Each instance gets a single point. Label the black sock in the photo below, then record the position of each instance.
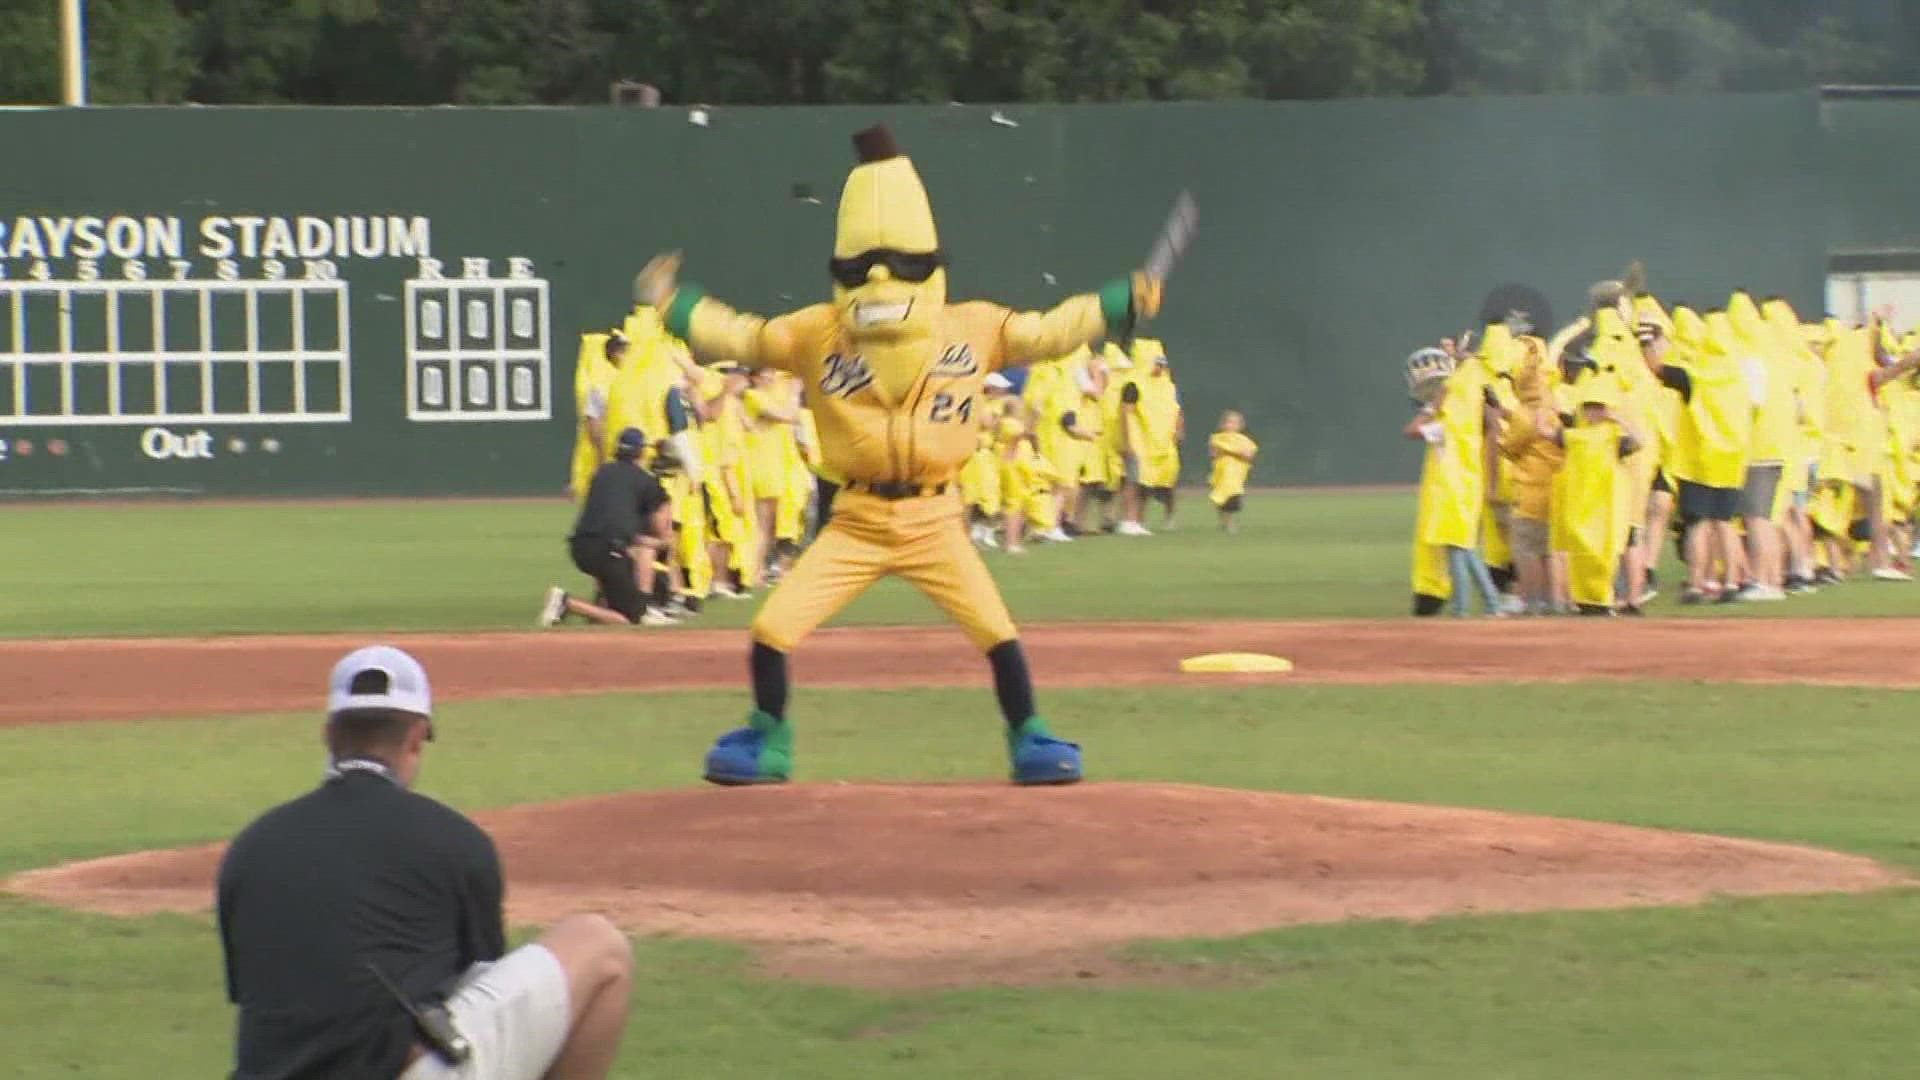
(1012, 682)
(769, 667)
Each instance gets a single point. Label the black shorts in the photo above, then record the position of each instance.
(1698, 502)
(1164, 494)
(1661, 483)
(612, 568)
(1232, 505)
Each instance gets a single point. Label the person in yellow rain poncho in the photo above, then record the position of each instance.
(1054, 406)
(1710, 453)
(1233, 452)
(769, 413)
(1773, 443)
(729, 490)
(1901, 400)
(599, 360)
(1832, 506)
(980, 476)
(1806, 372)
(1533, 458)
(1155, 427)
(1631, 394)
(801, 489)
(1104, 479)
(1884, 364)
(1026, 485)
(1088, 427)
(1453, 415)
(1496, 523)
(1595, 486)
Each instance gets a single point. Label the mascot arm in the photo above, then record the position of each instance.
(1027, 336)
(719, 334)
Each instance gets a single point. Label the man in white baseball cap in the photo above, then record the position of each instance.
(363, 928)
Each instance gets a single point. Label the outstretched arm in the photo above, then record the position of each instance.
(1027, 336)
(714, 331)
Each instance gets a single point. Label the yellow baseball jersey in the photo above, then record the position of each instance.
(1229, 472)
(908, 415)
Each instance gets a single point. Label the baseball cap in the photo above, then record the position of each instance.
(379, 677)
(631, 442)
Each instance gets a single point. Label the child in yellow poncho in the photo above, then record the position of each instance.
(1233, 454)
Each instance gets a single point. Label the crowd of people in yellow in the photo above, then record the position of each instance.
(1085, 445)
(1079, 444)
(1784, 453)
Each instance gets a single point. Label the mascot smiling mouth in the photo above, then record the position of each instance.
(880, 313)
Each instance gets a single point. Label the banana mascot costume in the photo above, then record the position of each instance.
(895, 377)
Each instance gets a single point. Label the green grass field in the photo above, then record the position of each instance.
(245, 569)
(1802, 987)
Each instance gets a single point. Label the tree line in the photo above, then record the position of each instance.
(555, 52)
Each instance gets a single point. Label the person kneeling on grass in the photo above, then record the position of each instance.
(624, 525)
(363, 930)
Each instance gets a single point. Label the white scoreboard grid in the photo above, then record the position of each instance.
(477, 349)
(150, 352)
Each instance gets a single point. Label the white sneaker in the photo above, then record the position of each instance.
(1915, 553)
(1888, 573)
(1765, 593)
(1131, 528)
(1055, 535)
(656, 617)
(553, 607)
(1512, 605)
(987, 539)
(1016, 549)
(722, 589)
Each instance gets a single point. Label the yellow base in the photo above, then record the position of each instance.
(1235, 663)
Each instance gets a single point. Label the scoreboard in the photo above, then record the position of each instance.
(477, 350)
(76, 353)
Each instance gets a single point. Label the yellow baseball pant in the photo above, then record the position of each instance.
(922, 540)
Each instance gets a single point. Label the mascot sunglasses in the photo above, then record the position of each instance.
(915, 266)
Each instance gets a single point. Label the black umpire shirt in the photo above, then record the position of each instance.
(359, 870)
(620, 500)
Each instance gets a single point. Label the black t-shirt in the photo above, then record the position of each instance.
(359, 870)
(620, 501)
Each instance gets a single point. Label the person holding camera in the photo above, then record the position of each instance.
(625, 524)
(363, 931)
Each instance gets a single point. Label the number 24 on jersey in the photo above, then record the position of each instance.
(945, 409)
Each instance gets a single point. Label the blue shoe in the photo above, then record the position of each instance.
(1039, 758)
(760, 753)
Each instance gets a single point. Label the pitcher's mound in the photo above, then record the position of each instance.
(948, 884)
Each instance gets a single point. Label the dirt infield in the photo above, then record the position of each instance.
(952, 885)
(52, 681)
(931, 885)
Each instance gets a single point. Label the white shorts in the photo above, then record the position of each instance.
(515, 1013)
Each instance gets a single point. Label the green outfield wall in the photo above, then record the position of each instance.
(387, 301)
